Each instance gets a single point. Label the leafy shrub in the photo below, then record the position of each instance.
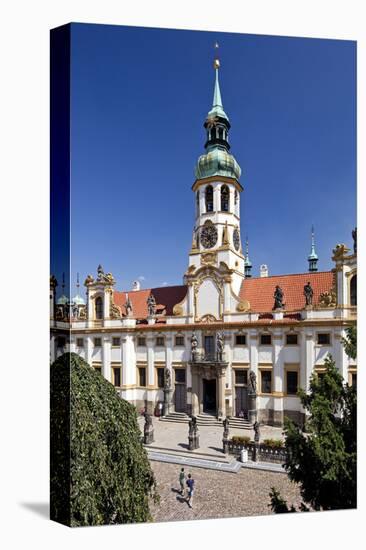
(109, 475)
(240, 440)
(274, 443)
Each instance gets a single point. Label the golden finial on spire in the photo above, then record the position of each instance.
(216, 62)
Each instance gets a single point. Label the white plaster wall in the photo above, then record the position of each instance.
(241, 354)
(320, 353)
(116, 354)
(291, 354)
(265, 354)
(208, 299)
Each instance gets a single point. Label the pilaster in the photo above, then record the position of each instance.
(150, 360)
(106, 358)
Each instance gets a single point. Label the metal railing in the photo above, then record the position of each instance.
(207, 357)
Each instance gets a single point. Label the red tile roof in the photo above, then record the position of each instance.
(259, 291)
(166, 297)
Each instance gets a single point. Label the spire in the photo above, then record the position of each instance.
(247, 262)
(313, 257)
(217, 110)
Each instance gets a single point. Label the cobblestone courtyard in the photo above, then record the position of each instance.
(218, 494)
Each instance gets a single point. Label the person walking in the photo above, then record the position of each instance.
(190, 485)
(182, 478)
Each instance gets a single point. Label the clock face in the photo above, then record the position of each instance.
(209, 236)
(236, 238)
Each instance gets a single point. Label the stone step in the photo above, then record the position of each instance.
(221, 457)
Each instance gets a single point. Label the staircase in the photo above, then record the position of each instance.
(209, 420)
(175, 417)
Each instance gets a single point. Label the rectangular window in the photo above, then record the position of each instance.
(241, 376)
(179, 340)
(180, 376)
(141, 341)
(80, 342)
(97, 342)
(142, 376)
(266, 339)
(160, 341)
(291, 339)
(320, 375)
(354, 380)
(323, 339)
(240, 340)
(160, 372)
(116, 342)
(117, 376)
(266, 381)
(61, 342)
(291, 382)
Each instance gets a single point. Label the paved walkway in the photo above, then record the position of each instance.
(218, 494)
(174, 436)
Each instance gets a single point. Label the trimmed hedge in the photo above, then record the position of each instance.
(240, 439)
(110, 476)
(274, 443)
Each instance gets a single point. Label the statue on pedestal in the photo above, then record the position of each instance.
(219, 345)
(256, 431)
(308, 293)
(252, 382)
(278, 298)
(226, 428)
(148, 429)
(167, 379)
(194, 346)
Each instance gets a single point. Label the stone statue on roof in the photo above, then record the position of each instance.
(128, 306)
(278, 298)
(308, 293)
(151, 305)
(354, 237)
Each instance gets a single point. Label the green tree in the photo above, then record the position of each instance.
(350, 342)
(110, 478)
(321, 456)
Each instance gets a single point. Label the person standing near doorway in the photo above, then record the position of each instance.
(191, 487)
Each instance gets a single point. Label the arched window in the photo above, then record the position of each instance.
(99, 308)
(353, 285)
(221, 133)
(198, 203)
(209, 198)
(236, 197)
(224, 198)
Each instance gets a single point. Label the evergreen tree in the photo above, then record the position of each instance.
(322, 456)
(110, 478)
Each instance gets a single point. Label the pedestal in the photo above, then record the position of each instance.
(225, 445)
(149, 436)
(194, 441)
(167, 405)
(252, 410)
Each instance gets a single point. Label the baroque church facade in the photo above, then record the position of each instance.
(224, 343)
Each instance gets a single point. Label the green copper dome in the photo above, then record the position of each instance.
(217, 162)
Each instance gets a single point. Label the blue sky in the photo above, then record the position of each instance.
(139, 98)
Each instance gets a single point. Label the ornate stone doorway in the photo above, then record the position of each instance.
(209, 396)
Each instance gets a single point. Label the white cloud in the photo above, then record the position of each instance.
(141, 278)
(164, 283)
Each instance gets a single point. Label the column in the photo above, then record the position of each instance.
(216, 198)
(340, 357)
(150, 361)
(221, 413)
(53, 348)
(278, 374)
(195, 391)
(88, 349)
(72, 345)
(128, 360)
(253, 405)
(309, 356)
(106, 358)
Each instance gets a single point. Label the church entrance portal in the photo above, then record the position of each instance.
(209, 396)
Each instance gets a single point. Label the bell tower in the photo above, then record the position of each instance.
(216, 233)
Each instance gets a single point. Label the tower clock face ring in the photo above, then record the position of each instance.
(236, 239)
(209, 236)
